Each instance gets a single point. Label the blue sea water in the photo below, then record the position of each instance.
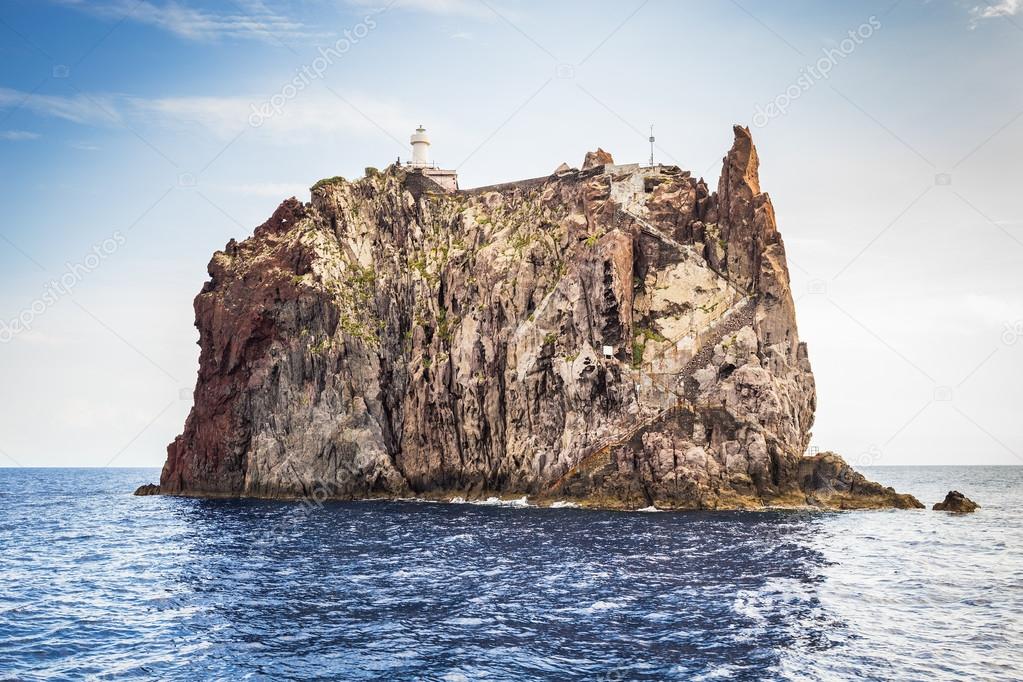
(98, 584)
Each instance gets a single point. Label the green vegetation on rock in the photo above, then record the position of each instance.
(336, 180)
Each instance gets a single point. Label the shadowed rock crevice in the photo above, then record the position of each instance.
(618, 335)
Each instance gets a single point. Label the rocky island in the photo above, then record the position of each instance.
(617, 336)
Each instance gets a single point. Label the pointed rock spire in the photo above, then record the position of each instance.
(597, 158)
(745, 213)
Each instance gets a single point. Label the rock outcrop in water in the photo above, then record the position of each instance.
(955, 501)
(618, 336)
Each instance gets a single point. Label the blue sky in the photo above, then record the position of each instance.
(128, 155)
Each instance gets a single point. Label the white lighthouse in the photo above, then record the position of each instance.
(420, 163)
(420, 148)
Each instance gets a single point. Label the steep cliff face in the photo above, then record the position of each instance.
(617, 335)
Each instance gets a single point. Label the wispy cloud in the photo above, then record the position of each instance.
(465, 8)
(17, 135)
(314, 113)
(254, 20)
(993, 10)
(77, 109)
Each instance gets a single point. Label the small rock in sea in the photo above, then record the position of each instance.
(148, 489)
(955, 501)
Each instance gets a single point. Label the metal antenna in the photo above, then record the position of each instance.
(651, 144)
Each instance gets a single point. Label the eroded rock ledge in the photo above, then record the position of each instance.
(620, 336)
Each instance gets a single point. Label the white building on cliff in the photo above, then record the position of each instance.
(448, 179)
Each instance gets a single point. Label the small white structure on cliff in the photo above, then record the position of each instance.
(447, 179)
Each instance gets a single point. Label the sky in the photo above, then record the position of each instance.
(138, 136)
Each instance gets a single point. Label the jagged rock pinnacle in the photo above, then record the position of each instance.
(597, 158)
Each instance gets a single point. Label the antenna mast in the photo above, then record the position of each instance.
(651, 144)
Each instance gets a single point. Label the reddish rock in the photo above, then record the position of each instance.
(597, 158)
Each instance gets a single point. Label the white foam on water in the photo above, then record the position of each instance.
(564, 504)
(498, 502)
(458, 538)
(722, 672)
(602, 605)
(657, 616)
(494, 502)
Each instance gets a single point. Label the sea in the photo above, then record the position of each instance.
(96, 584)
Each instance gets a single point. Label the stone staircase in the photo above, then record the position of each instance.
(733, 324)
(605, 446)
(685, 400)
(647, 227)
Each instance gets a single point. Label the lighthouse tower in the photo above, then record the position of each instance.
(420, 148)
(446, 179)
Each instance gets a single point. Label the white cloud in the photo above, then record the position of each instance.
(222, 115)
(465, 8)
(309, 113)
(17, 135)
(1001, 8)
(84, 109)
(254, 20)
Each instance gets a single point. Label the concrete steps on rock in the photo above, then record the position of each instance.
(687, 400)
